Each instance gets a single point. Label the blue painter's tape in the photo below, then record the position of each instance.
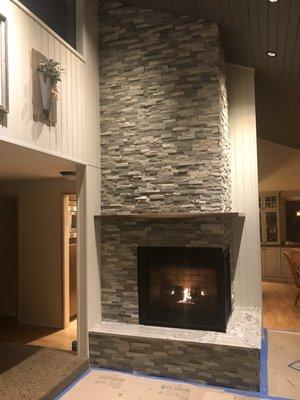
(263, 394)
(264, 363)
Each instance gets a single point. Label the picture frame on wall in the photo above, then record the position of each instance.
(4, 100)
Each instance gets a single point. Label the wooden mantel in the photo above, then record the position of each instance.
(153, 216)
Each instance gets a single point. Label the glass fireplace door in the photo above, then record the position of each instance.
(184, 287)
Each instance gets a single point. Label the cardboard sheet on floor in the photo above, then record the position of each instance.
(284, 378)
(106, 385)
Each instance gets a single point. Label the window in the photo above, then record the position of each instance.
(292, 221)
(59, 15)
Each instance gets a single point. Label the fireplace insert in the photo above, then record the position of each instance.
(184, 287)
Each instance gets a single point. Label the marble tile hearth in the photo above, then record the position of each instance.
(243, 330)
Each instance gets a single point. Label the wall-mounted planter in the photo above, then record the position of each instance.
(46, 86)
(46, 76)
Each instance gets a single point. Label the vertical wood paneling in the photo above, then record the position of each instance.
(35, 41)
(85, 139)
(58, 136)
(14, 120)
(52, 130)
(74, 105)
(63, 88)
(79, 111)
(24, 39)
(68, 136)
(242, 124)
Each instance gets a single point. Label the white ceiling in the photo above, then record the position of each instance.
(17, 162)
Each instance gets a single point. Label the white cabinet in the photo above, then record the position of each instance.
(274, 264)
(269, 218)
(271, 262)
(263, 263)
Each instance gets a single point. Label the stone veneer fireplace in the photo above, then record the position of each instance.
(184, 287)
(166, 223)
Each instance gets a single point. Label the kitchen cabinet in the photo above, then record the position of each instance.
(274, 264)
(271, 261)
(263, 263)
(269, 218)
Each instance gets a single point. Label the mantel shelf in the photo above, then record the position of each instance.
(170, 215)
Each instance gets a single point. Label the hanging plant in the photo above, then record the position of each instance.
(49, 74)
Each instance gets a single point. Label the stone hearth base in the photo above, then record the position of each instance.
(224, 359)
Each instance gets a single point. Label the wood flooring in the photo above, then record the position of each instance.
(11, 331)
(279, 311)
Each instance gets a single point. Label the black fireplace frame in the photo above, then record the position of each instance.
(215, 256)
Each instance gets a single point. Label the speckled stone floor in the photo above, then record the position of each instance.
(32, 373)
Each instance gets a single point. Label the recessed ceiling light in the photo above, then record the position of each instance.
(273, 1)
(271, 53)
(69, 175)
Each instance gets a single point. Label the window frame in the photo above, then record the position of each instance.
(80, 50)
(4, 102)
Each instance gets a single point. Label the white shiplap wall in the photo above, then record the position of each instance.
(76, 135)
(68, 138)
(242, 123)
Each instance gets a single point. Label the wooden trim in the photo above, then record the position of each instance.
(5, 81)
(82, 312)
(66, 258)
(46, 27)
(18, 249)
(170, 215)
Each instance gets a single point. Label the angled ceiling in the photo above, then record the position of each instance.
(250, 28)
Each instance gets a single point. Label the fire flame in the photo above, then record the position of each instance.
(187, 297)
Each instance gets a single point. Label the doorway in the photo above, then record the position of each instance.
(279, 207)
(9, 258)
(31, 248)
(70, 235)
